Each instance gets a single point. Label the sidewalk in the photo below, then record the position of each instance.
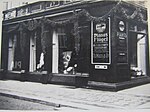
(71, 98)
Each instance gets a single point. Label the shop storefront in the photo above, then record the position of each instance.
(106, 40)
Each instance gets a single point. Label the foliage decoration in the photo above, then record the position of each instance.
(118, 9)
(136, 15)
(32, 24)
(77, 37)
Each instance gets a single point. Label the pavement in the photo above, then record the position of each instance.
(69, 98)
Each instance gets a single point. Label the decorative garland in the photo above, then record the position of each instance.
(32, 24)
(118, 9)
(43, 38)
(137, 14)
(74, 18)
(77, 37)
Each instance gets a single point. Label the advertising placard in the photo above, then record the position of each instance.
(122, 38)
(100, 42)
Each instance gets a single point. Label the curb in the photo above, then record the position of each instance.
(118, 86)
(30, 100)
(56, 105)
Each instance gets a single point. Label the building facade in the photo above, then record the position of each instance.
(105, 40)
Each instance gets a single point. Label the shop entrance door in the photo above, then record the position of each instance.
(137, 49)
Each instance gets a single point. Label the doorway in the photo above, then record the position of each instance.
(137, 52)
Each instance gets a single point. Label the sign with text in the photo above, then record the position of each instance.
(122, 38)
(101, 67)
(100, 42)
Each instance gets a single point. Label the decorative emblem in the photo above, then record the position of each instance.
(101, 27)
(121, 26)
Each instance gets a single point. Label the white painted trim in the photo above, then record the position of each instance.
(109, 41)
(92, 42)
(55, 54)
(32, 66)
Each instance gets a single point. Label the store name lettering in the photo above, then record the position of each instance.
(120, 34)
(101, 37)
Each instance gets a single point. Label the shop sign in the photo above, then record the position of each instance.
(100, 42)
(101, 67)
(122, 53)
